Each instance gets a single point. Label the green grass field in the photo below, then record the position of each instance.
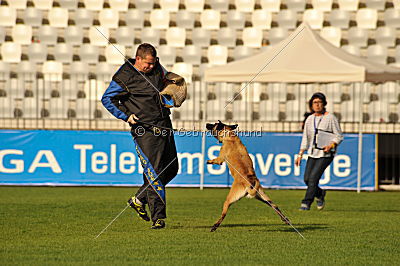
(47, 225)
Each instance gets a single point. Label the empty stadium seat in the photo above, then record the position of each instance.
(63, 52)
(43, 4)
(287, 18)
(194, 5)
(357, 36)
(392, 17)
(37, 52)
(145, 5)
(73, 35)
(322, 5)
(167, 54)
(47, 34)
(17, 4)
(22, 34)
(69, 4)
(235, 19)
(348, 5)
(261, 19)
(396, 4)
(99, 35)
(185, 70)
(397, 53)
(210, 19)
(2, 34)
(134, 18)
(95, 5)
(109, 18)
(241, 51)
(245, 5)
(252, 37)
(8, 15)
(375, 4)
(159, 19)
(115, 54)
(219, 5)
(377, 53)
(175, 36)
(30, 108)
(339, 18)
(226, 37)
(58, 17)
(119, 5)
(185, 19)
(83, 17)
(217, 55)
(169, 5)
(191, 54)
(277, 35)
(52, 70)
(352, 49)
(271, 5)
(57, 108)
(89, 53)
(11, 52)
(33, 16)
(314, 18)
(201, 37)
(332, 35)
(385, 36)
(296, 5)
(125, 35)
(366, 18)
(150, 35)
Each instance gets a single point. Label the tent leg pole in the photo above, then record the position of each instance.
(360, 141)
(203, 106)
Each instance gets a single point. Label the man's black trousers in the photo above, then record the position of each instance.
(157, 148)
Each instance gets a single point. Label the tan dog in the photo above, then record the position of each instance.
(245, 183)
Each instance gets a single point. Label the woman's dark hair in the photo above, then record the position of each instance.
(317, 95)
(146, 49)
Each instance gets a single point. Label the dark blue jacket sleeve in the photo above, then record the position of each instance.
(111, 101)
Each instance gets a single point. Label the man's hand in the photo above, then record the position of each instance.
(132, 119)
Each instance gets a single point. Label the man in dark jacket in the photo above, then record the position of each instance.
(134, 96)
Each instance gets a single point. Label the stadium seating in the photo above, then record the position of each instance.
(322, 5)
(44, 4)
(217, 55)
(271, 5)
(33, 16)
(252, 37)
(261, 19)
(339, 18)
(210, 19)
(11, 52)
(125, 35)
(58, 17)
(226, 37)
(366, 18)
(244, 5)
(159, 19)
(73, 35)
(95, 5)
(8, 16)
(167, 54)
(332, 35)
(17, 4)
(175, 36)
(185, 19)
(119, 5)
(22, 34)
(134, 18)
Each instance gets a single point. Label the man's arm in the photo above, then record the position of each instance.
(111, 101)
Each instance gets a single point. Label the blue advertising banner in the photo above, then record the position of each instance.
(108, 158)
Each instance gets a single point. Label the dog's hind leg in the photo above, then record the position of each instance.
(237, 192)
(264, 198)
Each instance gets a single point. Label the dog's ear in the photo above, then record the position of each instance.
(233, 127)
(210, 126)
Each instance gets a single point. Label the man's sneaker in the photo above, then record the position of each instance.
(321, 201)
(320, 204)
(139, 209)
(159, 224)
(304, 207)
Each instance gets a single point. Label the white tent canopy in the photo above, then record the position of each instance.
(301, 58)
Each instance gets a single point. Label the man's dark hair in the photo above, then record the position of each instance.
(146, 49)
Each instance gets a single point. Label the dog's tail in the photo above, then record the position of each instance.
(252, 190)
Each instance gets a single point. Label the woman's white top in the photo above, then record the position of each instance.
(327, 122)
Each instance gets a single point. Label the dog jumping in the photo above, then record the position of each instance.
(246, 183)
